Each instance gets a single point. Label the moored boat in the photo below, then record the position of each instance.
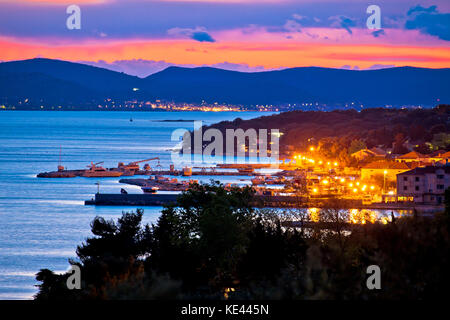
(99, 172)
(150, 189)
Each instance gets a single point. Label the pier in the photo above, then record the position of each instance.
(260, 201)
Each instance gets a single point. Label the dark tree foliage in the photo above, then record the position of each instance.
(373, 127)
(214, 240)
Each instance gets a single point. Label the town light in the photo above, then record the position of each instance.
(315, 190)
(342, 180)
(335, 164)
(325, 181)
(355, 190)
(372, 187)
(350, 185)
(311, 149)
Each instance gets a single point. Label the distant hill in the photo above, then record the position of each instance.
(375, 127)
(55, 81)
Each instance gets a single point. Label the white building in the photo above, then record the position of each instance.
(425, 185)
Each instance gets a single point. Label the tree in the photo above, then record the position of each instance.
(210, 228)
(398, 147)
(214, 239)
(356, 145)
(441, 141)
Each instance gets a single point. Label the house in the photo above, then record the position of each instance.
(412, 156)
(389, 169)
(424, 185)
(369, 153)
(440, 156)
(378, 152)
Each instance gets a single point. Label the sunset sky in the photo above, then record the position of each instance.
(144, 36)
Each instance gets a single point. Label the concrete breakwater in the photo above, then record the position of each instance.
(260, 201)
(159, 199)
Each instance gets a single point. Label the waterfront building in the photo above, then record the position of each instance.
(425, 185)
(387, 169)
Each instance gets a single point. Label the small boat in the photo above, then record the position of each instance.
(131, 119)
(149, 189)
(99, 172)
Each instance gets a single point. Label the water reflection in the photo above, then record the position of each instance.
(356, 216)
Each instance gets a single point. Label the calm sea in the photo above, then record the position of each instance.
(43, 220)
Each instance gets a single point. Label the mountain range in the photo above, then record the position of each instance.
(56, 82)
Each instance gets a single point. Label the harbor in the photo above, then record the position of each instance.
(260, 201)
(297, 183)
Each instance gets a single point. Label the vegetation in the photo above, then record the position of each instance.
(341, 132)
(214, 241)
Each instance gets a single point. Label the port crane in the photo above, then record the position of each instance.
(134, 166)
(94, 165)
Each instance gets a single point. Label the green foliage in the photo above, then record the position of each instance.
(441, 141)
(356, 145)
(373, 127)
(213, 239)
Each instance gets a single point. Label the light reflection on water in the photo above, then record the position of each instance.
(359, 216)
(43, 220)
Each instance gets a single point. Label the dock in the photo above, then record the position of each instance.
(260, 201)
(160, 199)
(105, 199)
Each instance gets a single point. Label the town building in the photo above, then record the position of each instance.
(364, 154)
(387, 169)
(412, 156)
(424, 185)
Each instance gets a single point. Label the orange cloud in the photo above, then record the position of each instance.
(269, 55)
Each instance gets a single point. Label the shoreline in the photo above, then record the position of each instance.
(261, 201)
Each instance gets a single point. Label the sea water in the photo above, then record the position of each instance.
(43, 220)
